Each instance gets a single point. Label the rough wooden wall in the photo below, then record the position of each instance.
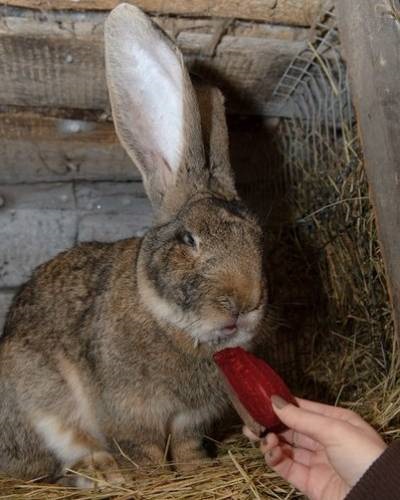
(292, 12)
(55, 59)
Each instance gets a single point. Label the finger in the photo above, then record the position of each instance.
(299, 455)
(321, 408)
(331, 411)
(270, 441)
(250, 434)
(297, 439)
(296, 473)
(321, 428)
(336, 412)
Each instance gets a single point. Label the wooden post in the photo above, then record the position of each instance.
(370, 35)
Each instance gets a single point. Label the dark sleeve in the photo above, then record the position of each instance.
(382, 480)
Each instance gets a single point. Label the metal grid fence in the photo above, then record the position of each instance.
(314, 91)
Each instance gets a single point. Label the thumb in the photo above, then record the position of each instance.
(319, 427)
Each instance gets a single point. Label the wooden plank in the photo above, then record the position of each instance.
(60, 23)
(46, 196)
(27, 161)
(121, 197)
(371, 41)
(297, 12)
(36, 148)
(57, 61)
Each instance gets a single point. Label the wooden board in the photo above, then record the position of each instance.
(36, 147)
(371, 42)
(297, 12)
(57, 60)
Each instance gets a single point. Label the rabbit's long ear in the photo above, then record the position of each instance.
(154, 107)
(216, 142)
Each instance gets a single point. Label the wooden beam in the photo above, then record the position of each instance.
(58, 60)
(35, 147)
(371, 40)
(300, 13)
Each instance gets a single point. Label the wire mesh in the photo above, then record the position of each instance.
(314, 91)
(324, 254)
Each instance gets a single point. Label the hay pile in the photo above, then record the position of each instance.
(352, 358)
(237, 474)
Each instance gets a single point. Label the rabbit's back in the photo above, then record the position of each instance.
(60, 293)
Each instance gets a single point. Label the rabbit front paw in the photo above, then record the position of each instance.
(101, 469)
(187, 453)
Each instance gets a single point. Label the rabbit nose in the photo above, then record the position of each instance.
(240, 303)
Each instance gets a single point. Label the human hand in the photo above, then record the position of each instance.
(324, 452)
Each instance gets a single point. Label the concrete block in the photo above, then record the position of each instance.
(112, 197)
(31, 237)
(112, 227)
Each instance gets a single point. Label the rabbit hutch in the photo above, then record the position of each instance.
(313, 113)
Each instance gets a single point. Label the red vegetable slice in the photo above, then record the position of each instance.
(254, 382)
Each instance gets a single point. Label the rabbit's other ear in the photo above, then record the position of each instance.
(215, 139)
(153, 103)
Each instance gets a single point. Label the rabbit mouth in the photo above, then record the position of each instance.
(239, 338)
(222, 338)
(231, 334)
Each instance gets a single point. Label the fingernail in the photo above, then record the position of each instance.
(278, 402)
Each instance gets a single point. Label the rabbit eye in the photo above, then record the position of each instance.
(188, 239)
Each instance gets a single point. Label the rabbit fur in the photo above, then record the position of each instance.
(110, 344)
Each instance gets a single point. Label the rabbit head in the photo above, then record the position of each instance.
(200, 266)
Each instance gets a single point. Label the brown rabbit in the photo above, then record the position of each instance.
(112, 343)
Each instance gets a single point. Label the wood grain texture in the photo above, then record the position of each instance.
(371, 41)
(297, 12)
(46, 196)
(57, 60)
(35, 147)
